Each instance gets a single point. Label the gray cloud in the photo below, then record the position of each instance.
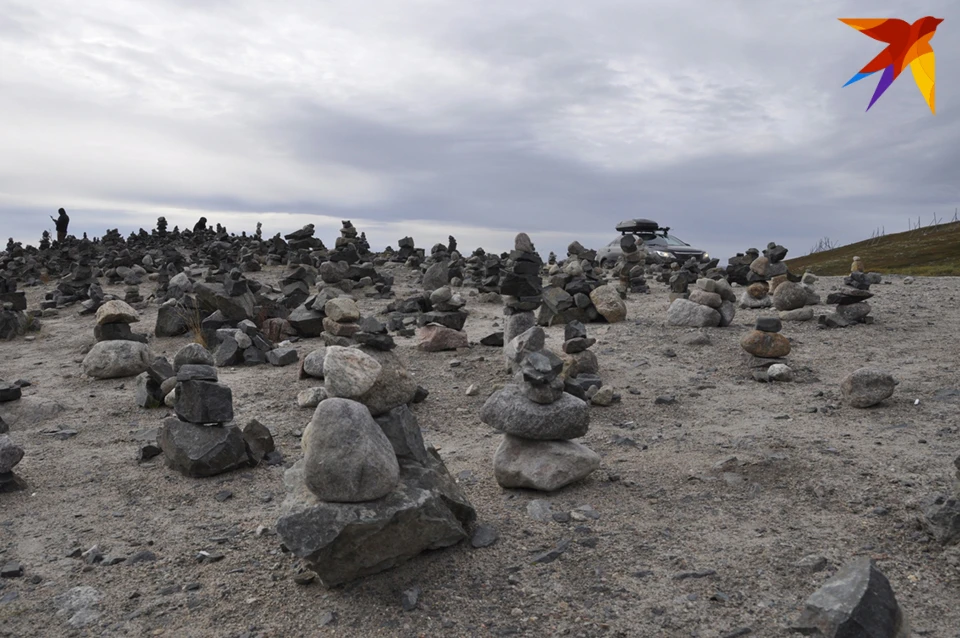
(724, 120)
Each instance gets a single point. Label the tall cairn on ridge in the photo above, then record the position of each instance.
(521, 288)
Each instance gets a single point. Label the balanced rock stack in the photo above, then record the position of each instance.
(202, 439)
(118, 352)
(341, 315)
(436, 336)
(10, 452)
(368, 494)
(580, 366)
(630, 265)
(767, 270)
(767, 349)
(787, 298)
(710, 304)
(521, 288)
(113, 322)
(851, 301)
(157, 384)
(578, 293)
(13, 321)
(538, 420)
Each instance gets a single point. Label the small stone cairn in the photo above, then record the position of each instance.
(630, 265)
(202, 440)
(435, 336)
(763, 270)
(113, 322)
(766, 348)
(851, 301)
(368, 494)
(710, 304)
(538, 420)
(580, 366)
(118, 352)
(246, 345)
(577, 292)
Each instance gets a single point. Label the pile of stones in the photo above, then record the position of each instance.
(202, 440)
(630, 265)
(447, 308)
(246, 345)
(767, 350)
(709, 304)
(794, 300)
(340, 321)
(538, 420)
(118, 352)
(368, 494)
(10, 452)
(483, 271)
(577, 292)
(521, 288)
(765, 273)
(296, 284)
(14, 322)
(851, 301)
(113, 322)
(581, 369)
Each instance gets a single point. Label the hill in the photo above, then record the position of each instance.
(930, 251)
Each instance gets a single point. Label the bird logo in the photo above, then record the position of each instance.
(906, 44)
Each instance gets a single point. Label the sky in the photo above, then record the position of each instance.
(724, 120)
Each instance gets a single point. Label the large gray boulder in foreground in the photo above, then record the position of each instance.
(689, 314)
(857, 602)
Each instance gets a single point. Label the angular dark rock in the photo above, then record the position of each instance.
(198, 450)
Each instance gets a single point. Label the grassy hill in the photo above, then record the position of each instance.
(931, 251)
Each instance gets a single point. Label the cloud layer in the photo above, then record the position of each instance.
(723, 120)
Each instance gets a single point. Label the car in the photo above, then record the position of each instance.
(657, 240)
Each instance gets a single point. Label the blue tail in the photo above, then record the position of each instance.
(858, 77)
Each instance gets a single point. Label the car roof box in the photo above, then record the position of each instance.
(638, 226)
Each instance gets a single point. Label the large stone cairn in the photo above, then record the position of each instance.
(202, 440)
(851, 301)
(368, 494)
(766, 347)
(630, 265)
(10, 452)
(538, 420)
(521, 288)
(577, 292)
(709, 304)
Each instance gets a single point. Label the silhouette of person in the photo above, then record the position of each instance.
(201, 225)
(61, 223)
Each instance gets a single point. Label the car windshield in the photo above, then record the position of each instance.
(662, 239)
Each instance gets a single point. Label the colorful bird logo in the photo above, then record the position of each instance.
(906, 44)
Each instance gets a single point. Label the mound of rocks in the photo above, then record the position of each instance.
(709, 304)
(578, 292)
(630, 265)
(246, 345)
(538, 420)
(581, 369)
(113, 322)
(767, 350)
(368, 494)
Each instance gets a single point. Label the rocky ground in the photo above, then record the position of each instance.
(716, 514)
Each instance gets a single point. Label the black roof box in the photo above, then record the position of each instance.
(638, 226)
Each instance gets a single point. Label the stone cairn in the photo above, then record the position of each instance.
(14, 322)
(10, 452)
(788, 295)
(709, 304)
(246, 345)
(202, 440)
(368, 494)
(767, 350)
(577, 292)
(538, 420)
(765, 273)
(482, 271)
(630, 265)
(851, 301)
(113, 322)
(340, 321)
(435, 336)
(581, 369)
(521, 288)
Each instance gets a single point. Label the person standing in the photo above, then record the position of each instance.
(61, 223)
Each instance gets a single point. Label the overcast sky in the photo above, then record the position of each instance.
(723, 119)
